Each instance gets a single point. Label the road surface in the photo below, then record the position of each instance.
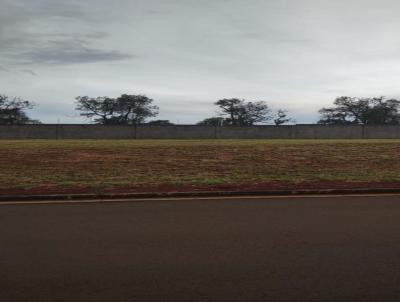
(246, 249)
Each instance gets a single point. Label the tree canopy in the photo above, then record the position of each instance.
(215, 121)
(12, 111)
(124, 110)
(160, 123)
(362, 111)
(242, 113)
(137, 109)
(282, 118)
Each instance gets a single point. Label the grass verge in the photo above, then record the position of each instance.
(95, 166)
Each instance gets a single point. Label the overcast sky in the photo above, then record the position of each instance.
(186, 54)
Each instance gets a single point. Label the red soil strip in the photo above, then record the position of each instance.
(247, 187)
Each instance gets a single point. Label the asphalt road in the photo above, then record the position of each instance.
(279, 249)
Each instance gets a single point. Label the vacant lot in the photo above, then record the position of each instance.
(137, 166)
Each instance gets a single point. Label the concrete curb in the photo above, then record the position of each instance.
(119, 196)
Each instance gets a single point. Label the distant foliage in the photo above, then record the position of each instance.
(238, 112)
(242, 113)
(362, 111)
(12, 111)
(160, 123)
(215, 121)
(282, 118)
(124, 110)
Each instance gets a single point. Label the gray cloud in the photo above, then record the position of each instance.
(29, 71)
(52, 55)
(4, 69)
(68, 50)
(51, 32)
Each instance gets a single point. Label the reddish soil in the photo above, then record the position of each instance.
(97, 167)
(246, 187)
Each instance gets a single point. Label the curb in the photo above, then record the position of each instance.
(119, 196)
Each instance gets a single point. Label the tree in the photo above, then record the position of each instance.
(383, 112)
(254, 112)
(282, 118)
(12, 111)
(160, 123)
(215, 121)
(124, 110)
(362, 111)
(242, 113)
(230, 107)
(102, 108)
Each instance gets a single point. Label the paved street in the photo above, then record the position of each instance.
(275, 249)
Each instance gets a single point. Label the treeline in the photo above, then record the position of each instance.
(138, 109)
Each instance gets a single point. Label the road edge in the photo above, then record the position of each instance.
(153, 195)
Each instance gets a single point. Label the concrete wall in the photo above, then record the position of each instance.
(266, 132)
(382, 132)
(66, 132)
(197, 132)
(95, 132)
(28, 132)
(327, 132)
(175, 132)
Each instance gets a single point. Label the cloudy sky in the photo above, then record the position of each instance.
(186, 54)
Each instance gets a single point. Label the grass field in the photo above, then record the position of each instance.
(40, 166)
